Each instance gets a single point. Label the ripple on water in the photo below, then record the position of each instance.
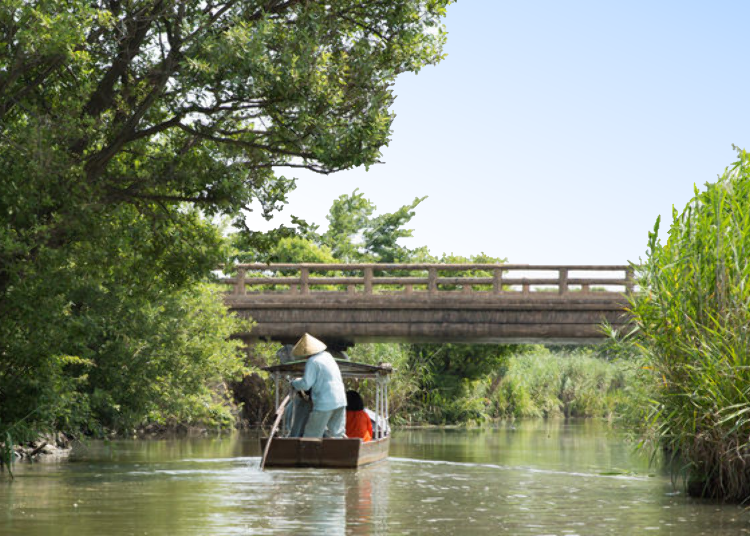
(227, 494)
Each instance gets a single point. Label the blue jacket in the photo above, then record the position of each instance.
(323, 376)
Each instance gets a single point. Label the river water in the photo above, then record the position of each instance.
(536, 477)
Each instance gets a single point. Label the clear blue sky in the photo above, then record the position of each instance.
(556, 132)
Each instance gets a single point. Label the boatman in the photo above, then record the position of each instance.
(323, 378)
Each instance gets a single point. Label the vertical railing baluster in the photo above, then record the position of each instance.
(497, 281)
(562, 285)
(377, 407)
(304, 277)
(387, 415)
(630, 277)
(432, 276)
(239, 287)
(368, 279)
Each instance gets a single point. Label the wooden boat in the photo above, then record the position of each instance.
(333, 452)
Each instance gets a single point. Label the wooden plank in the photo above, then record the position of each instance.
(374, 451)
(314, 452)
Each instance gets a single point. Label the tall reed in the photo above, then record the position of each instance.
(570, 383)
(693, 315)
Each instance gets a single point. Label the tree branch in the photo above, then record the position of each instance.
(138, 27)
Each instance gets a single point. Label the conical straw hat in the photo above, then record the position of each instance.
(307, 346)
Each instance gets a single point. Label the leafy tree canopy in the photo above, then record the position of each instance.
(155, 103)
(355, 235)
(123, 124)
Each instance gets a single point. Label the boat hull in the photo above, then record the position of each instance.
(316, 452)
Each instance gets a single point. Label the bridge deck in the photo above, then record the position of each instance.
(436, 308)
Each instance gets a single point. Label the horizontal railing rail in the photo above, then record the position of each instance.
(429, 279)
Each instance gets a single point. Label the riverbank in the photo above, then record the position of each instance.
(50, 447)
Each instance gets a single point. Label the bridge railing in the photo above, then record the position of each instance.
(427, 279)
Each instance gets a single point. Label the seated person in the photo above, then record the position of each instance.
(358, 423)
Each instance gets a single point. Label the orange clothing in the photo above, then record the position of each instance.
(358, 424)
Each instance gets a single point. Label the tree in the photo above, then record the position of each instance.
(162, 102)
(354, 235)
(115, 338)
(298, 249)
(123, 124)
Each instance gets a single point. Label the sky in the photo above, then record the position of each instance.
(555, 132)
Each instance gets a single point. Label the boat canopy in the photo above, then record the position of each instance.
(349, 369)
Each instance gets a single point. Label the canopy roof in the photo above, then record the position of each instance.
(349, 369)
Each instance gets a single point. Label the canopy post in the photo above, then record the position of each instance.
(276, 390)
(387, 414)
(381, 429)
(377, 408)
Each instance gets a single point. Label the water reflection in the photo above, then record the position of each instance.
(533, 478)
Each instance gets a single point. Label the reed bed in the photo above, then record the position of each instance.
(693, 320)
(569, 383)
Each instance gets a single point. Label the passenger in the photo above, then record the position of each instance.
(323, 377)
(358, 423)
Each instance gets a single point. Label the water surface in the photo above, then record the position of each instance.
(535, 477)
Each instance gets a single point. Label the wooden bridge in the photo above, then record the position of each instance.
(498, 303)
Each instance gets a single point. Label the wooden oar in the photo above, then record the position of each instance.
(279, 415)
